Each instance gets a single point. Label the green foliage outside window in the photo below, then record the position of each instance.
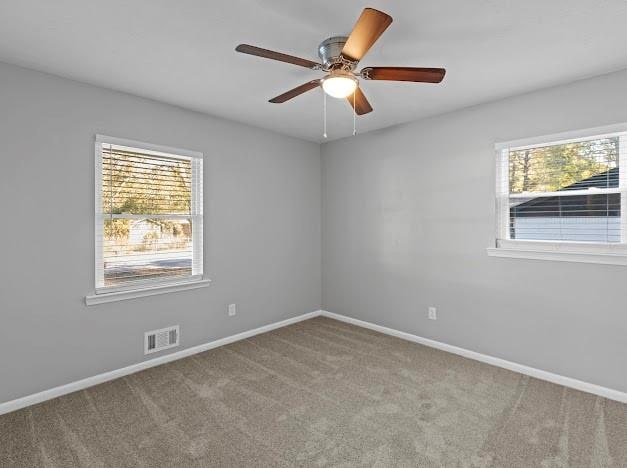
(552, 168)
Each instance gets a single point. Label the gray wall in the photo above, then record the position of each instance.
(408, 212)
(262, 230)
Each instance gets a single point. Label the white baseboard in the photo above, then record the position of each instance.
(39, 397)
(537, 373)
(45, 395)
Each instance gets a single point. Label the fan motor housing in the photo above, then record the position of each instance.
(330, 53)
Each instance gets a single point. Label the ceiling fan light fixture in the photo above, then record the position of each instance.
(339, 57)
(339, 84)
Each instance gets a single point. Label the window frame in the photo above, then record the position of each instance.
(146, 287)
(573, 251)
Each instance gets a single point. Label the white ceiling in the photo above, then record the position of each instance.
(181, 52)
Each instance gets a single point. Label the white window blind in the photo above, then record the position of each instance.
(149, 215)
(563, 193)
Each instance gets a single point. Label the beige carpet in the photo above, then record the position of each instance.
(320, 393)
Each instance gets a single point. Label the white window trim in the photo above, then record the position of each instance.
(94, 299)
(568, 251)
(197, 280)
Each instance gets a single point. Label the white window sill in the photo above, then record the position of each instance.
(560, 256)
(102, 298)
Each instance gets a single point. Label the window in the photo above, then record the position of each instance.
(149, 216)
(563, 197)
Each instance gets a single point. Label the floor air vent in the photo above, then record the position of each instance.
(158, 340)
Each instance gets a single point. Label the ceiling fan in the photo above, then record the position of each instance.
(340, 56)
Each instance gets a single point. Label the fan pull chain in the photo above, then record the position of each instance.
(354, 114)
(325, 113)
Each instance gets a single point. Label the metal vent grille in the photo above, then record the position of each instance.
(158, 340)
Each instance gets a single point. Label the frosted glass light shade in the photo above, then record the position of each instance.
(339, 85)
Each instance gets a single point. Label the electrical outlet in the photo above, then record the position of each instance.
(433, 313)
(232, 310)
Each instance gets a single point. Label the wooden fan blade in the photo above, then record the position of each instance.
(292, 93)
(365, 33)
(421, 75)
(270, 54)
(362, 106)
